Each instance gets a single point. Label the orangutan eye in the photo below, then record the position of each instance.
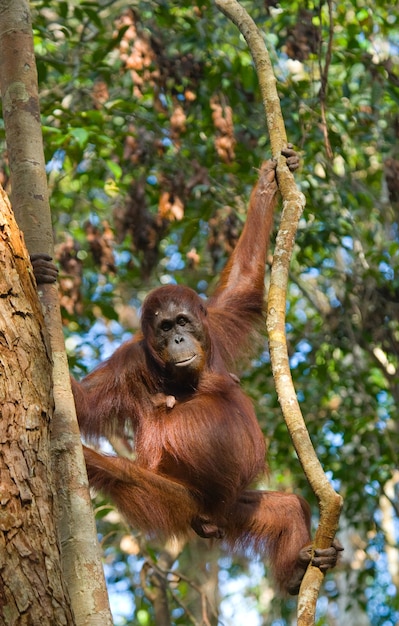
(166, 325)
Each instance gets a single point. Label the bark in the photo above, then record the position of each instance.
(81, 560)
(32, 590)
(21, 113)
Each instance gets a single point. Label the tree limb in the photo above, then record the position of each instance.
(330, 503)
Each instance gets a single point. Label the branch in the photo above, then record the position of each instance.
(267, 81)
(160, 575)
(324, 77)
(330, 503)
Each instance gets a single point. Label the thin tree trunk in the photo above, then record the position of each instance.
(330, 503)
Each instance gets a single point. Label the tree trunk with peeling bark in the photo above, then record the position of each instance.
(81, 560)
(32, 589)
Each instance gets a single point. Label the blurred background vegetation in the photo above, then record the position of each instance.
(154, 131)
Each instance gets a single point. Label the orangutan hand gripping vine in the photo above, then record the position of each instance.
(198, 445)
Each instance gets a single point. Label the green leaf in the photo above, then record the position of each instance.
(80, 135)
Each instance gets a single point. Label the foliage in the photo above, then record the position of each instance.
(153, 130)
